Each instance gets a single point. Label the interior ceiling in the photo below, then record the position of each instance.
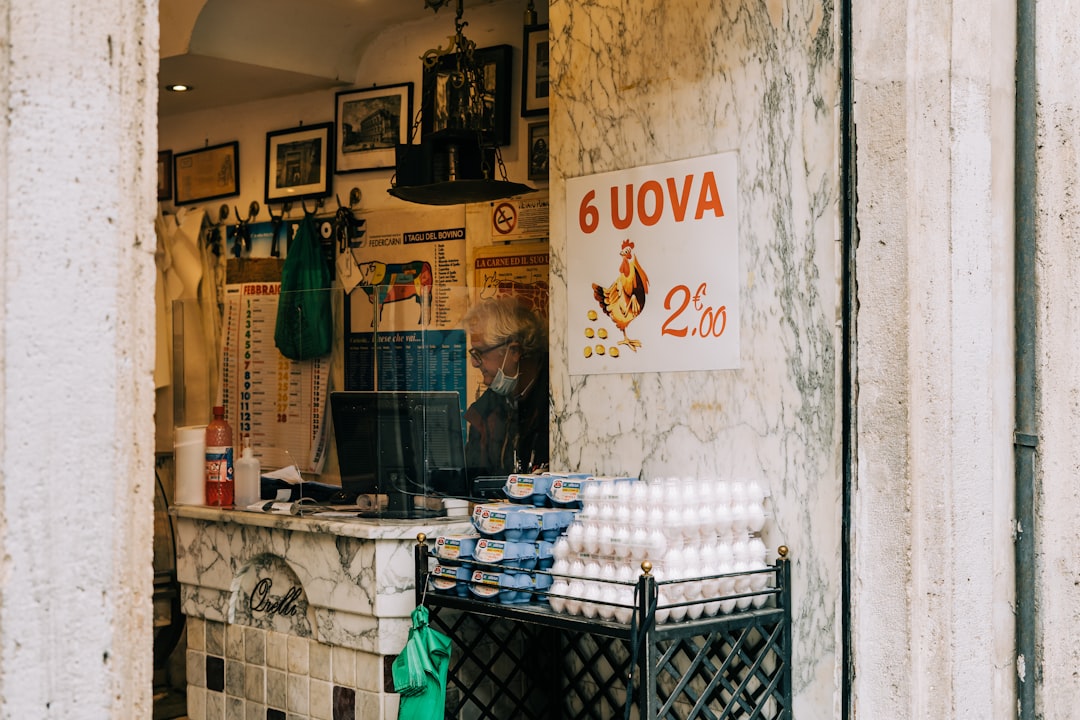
(234, 51)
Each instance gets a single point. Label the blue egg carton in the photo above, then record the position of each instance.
(506, 588)
(506, 521)
(553, 521)
(545, 555)
(508, 553)
(450, 580)
(565, 489)
(455, 547)
(527, 489)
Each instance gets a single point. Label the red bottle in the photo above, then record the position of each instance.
(219, 460)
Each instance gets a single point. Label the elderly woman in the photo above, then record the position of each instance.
(508, 423)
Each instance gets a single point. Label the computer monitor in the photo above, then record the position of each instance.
(401, 444)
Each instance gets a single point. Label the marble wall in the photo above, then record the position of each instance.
(642, 83)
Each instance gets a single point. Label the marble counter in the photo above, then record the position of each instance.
(342, 588)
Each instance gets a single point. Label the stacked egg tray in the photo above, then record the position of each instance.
(580, 544)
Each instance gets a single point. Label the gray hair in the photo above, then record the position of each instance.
(505, 319)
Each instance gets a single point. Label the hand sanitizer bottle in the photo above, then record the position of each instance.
(248, 478)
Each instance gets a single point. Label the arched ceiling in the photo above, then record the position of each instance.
(235, 51)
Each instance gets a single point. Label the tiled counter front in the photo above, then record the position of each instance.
(294, 618)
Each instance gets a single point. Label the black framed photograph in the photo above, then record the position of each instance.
(164, 175)
(299, 162)
(443, 105)
(539, 151)
(534, 71)
(370, 123)
(207, 173)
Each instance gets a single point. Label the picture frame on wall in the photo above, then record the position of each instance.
(535, 63)
(299, 162)
(539, 151)
(370, 123)
(207, 173)
(441, 102)
(164, 175)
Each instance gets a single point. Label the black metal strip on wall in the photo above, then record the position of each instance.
(848, 369)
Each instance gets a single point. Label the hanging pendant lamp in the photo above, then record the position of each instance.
(457, 160)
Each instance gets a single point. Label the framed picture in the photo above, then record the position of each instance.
(164, 175)
(534, 71)
(207, 173)
(299, 162)
(443, 105)
(370, 124)
(538, 151)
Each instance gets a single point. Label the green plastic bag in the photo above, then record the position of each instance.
(305, 320)
(420, 671)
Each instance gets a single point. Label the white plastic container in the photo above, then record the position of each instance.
(248, 479)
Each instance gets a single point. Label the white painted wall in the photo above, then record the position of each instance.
(77, 179)
(933, 581)
(392, 58)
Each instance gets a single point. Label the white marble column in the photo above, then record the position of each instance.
(642, 83)
(77, 185)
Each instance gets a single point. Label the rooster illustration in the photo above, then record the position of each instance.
(624, 299)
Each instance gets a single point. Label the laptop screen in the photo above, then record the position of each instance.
(399, 443)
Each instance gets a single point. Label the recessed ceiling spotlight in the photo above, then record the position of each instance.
(179, 87)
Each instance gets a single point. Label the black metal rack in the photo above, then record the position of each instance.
(528, 661)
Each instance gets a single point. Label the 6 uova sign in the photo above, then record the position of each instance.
(653, 268)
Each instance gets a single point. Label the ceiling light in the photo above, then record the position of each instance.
(179, 87)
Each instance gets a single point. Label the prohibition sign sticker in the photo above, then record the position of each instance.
(504, 218)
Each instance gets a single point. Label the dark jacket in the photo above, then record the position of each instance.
(507, 436)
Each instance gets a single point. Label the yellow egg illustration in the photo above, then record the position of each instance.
(599, 349)
(588, 332)
(588, 351)
(592, 314)
(602, 333)
(614, 351)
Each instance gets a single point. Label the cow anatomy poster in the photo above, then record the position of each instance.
(653, 268)
(404, 316)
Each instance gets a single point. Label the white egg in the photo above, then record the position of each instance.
(656, 516)
(722, 491)
(639, 516)
(662, 612)
(561, 567)
(605, 537)
(639, 493)
(561, 548)
(625, 611)
(592, 570)
(693, 612)
(592, 596)
(755, 517)
(606, 512)
(757, 549)
(577, 568)
(575, 537)
(742, 585)
(559, 587)
(657, 543)
(622, 514)
(722, 521)
(608, 598)
(591, 541)
(738, 518)
(576, 591)
(656, 494)
(738, 492)
(755, 493)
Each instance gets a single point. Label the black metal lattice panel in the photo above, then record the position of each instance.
(725, 674)
(521, 670)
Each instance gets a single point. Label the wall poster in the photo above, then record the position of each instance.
(404, 316)
(653, 268)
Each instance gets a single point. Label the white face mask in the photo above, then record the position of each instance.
(501, 384)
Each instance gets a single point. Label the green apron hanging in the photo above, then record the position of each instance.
(420, 671)
(305, 319)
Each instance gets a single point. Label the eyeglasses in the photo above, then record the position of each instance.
(477, 354)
